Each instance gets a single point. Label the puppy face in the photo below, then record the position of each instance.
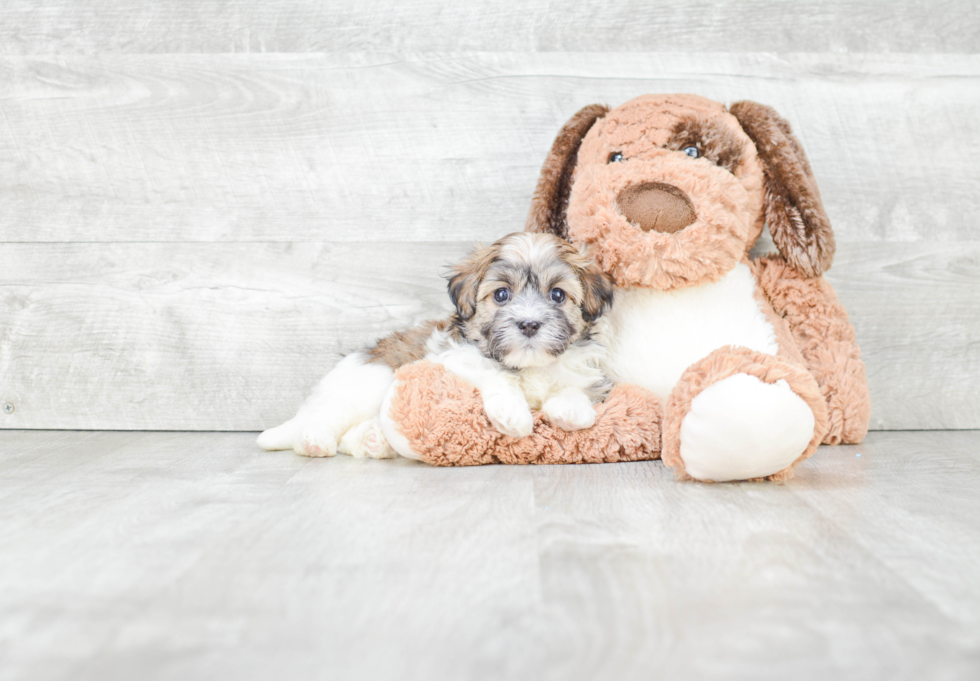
(527, 297)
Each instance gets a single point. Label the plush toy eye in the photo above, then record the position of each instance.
(501, 295)
(557, 295)
(615, 157)
(691, 151)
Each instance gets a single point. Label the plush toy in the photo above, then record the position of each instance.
(727, 368)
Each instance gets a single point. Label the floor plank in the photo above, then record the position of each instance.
(195, 555)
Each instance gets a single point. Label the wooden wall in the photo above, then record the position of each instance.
(202, 204)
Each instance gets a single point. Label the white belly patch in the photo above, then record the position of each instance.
(653, 336)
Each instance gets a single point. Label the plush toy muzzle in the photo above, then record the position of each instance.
(655, 206)
(663, 220)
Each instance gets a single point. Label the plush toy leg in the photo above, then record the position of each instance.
(434, 416)
(739, 414)
(810, 310)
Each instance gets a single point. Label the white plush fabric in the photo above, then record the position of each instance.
(741, 427)
(653, 336)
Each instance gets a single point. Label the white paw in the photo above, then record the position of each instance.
(318, 440)
(570, 412)
(741, 428)
(508, 413)
(365, 440)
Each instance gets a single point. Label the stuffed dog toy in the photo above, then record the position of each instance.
(727, 368)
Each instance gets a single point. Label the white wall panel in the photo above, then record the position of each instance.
(209, 26)
(202, 203)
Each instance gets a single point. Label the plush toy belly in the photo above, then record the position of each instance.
(654, 336)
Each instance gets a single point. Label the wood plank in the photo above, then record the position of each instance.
(89, 26)
(916, 310)
(194, 555)
(436, 147)
(233, 336)
(196, 336)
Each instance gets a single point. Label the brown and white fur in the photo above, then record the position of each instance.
(522, 334)
(743, 366)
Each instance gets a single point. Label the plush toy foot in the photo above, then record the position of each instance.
(366, 441)
(741, 428)
(434, 416)
(742, 415)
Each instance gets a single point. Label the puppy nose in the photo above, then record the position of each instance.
(656, 206)
(529, 327)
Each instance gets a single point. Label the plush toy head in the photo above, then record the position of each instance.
(672, 191)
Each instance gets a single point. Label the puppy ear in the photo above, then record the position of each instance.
(794, 211)
(465, 278)
(550, 200)
(597, 297)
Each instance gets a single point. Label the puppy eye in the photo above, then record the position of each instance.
(557, 295)
(615, 157)
(501, 295)
(691, 151)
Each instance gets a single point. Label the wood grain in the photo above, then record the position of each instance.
(209, 26)
(193, 556)
(435, 147)
(233, 336)
(196, 336)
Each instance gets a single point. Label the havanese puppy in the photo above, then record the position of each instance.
(522, 334)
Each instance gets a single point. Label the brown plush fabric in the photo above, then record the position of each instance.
(750, 170)
(721, 364)
(702, 252)
(442, 417)
(794, 210)
(656, 206)
(824, 335)
(547, 212)
(714, 140)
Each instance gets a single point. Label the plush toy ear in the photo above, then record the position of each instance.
(465, 278)
(794, 211)
(550, 200)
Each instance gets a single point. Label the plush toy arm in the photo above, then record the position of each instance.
(826, 340)
(441, 419)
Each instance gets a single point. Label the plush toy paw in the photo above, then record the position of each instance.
(742, 428)
(569, 411)
(508, 413)
(366, 441)
(434, 416)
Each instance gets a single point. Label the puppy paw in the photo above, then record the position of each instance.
(508, 413)
(317, 442)
(569, 412)
(366, 441)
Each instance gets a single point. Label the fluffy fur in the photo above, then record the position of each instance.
(521, 335)
(627, 425)
(755, 361)
(654, 336)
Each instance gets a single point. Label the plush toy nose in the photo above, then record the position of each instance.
(656, 206)
(529, 327)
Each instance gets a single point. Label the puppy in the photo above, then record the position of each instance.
(526, 308)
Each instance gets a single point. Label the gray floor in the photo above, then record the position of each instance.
(194, 555)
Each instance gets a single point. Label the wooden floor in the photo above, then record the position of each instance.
(130, 555)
